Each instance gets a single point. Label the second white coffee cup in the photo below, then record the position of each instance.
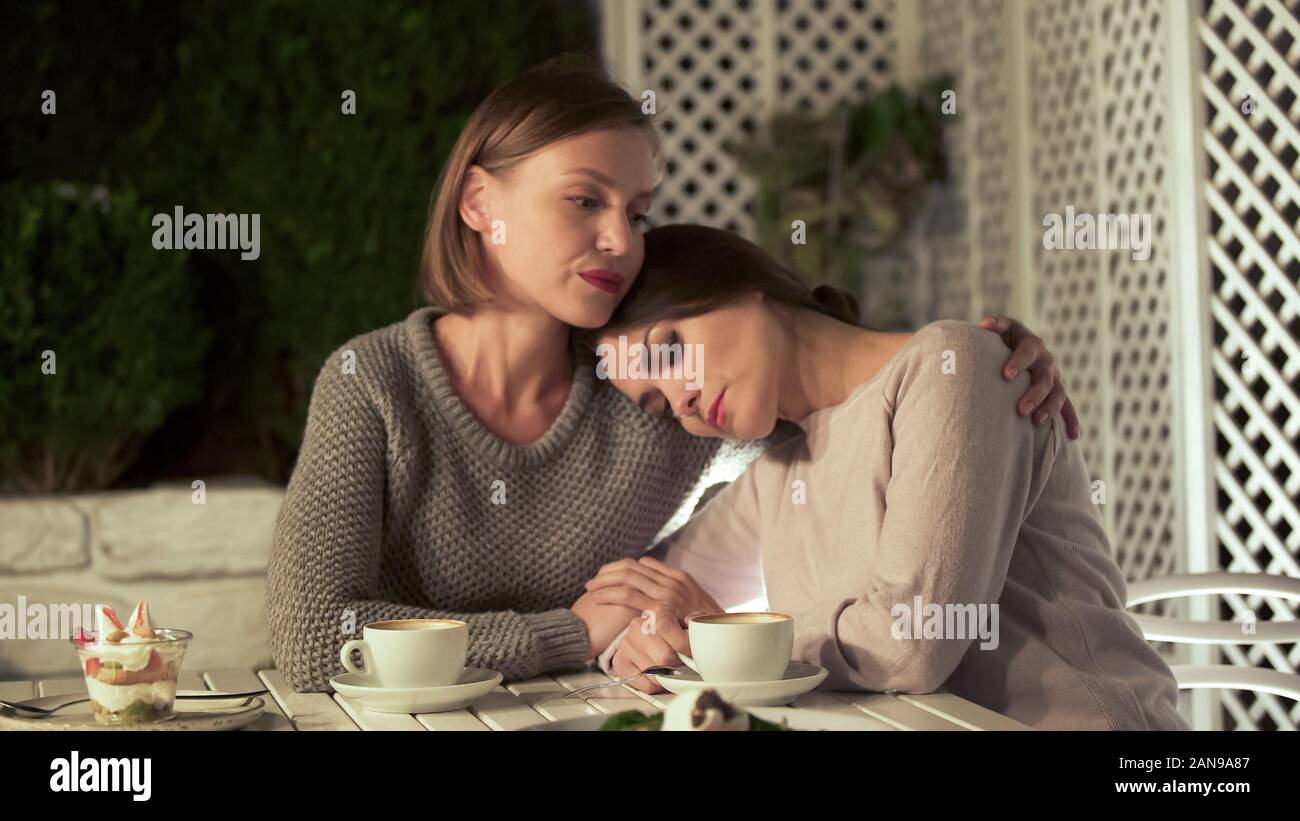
(736, 647)
(410, 652)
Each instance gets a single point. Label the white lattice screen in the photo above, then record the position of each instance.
(1109, 106)
(1253, 202)
(720, 67)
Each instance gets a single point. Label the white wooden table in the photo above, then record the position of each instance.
(515, 705)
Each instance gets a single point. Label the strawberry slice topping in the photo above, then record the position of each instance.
(108, 611)
(140, 621)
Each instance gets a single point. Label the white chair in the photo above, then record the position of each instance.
(1184, 631)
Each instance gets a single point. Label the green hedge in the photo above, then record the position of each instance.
(99, 340)
(237, 109)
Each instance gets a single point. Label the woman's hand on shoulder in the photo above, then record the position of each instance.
(1046, 396)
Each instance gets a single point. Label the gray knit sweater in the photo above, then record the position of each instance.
(402, 505)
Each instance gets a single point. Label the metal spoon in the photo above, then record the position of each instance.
(656, 671)
(44, 711)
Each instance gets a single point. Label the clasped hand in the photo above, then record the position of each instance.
(653, 601)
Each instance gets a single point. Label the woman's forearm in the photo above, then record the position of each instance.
(326, 557)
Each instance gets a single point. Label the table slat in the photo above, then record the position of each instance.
(829, 706)
(896, 712)
(610, 706)
(307, 711)
(546, 696)
(62, 686)
(191, 680)
(586, 678)
(239, 681)
(960, 711)
(17, 690)
(542, 684)
(558, 709)
(371, 720)
(503, 710)
(659, 701)
(455, 720)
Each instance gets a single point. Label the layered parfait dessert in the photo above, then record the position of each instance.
(131, 668)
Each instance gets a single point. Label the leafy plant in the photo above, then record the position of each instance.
(856, 176)
(98, 334)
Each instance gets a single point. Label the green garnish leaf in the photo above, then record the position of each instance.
(633, 720)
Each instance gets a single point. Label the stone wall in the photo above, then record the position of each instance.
(199, 559)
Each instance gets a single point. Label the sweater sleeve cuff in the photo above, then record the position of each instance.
(561, 638)
(605, 661)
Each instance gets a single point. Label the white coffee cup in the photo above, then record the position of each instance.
(736, 647)
(410, 652)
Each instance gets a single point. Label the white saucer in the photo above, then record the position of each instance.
(800, 677)
(474, 682)
(191, 714)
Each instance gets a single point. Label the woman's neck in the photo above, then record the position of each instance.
(513, 358)
(828, 360)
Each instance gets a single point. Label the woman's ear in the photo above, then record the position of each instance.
(474, 199)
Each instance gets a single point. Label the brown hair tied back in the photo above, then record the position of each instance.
(691, 269)
(838, 303)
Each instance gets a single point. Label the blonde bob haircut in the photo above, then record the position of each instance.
(561, 98)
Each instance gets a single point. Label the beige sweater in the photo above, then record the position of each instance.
(924, 490)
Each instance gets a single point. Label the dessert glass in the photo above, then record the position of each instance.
(133, 681)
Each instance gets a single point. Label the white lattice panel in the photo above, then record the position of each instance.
(719, 68)
(1253, 199)
(1134, 146)
(1096, 82)
(830, 51)
(1061, 63)
(705, 65)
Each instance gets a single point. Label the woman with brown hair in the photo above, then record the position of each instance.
(464, 462)
(905, 493)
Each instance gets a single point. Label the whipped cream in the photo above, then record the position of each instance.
(135, 656)
(130, 644)
(118, 697)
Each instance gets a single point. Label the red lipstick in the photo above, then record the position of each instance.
(605, 280)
